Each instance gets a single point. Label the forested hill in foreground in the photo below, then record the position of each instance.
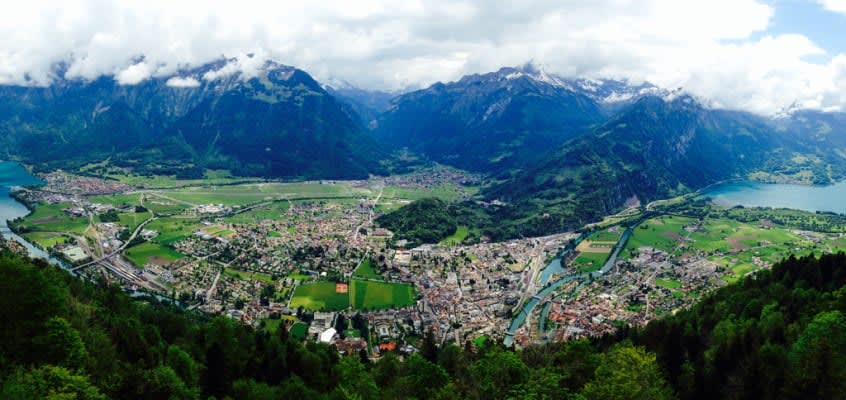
(777, 335)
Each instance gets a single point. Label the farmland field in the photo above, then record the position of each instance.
(606, 235)
(132, 220)
(446, 192)
(152, 253)
(161, 205)
(172, 229)
(51, 218)
(117, 200)
(369, 295)
(662, 233)
(589, 262)
(714, 236)
(319, 296)
(45, 239)
(219, 231)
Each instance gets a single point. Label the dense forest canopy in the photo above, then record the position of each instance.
(777, 335)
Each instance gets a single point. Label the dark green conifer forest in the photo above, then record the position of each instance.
(777, 335)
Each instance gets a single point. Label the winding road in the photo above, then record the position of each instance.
(117, 251)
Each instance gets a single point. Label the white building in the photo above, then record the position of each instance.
(328, 335)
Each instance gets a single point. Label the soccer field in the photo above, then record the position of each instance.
(320, 296)
(152, 253)
(369, 295)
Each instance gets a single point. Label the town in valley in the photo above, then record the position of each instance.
(310, 256)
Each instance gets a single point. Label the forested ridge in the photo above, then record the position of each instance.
(778, 335)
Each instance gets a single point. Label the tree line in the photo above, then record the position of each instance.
(778, 335)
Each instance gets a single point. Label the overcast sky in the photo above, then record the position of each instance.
(755, 55)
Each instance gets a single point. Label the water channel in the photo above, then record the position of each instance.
(554, 267)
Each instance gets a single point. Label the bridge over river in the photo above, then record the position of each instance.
(547, 290)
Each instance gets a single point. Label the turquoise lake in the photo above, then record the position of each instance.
(14, 175)
(799, 197)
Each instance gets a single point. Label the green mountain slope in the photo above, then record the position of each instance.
(489, 122)
(654, 149)
(276, 123)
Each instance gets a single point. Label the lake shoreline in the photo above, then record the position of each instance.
(811, 198)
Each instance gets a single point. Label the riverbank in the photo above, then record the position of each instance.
(528, 307)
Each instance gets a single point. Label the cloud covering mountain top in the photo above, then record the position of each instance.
(721, 49)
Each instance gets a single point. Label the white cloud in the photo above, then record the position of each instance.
(714, 49)
(182, 82)
(249, 65)
(838, 6)
(134, 74)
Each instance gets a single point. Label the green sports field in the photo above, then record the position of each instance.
(319, 296)
(299, 330)
(369, 295)
(149, 252)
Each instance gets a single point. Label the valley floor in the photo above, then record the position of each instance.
(309, 255)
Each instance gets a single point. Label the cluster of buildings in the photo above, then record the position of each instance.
(248, 268)
(61, 182)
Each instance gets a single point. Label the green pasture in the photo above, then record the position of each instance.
(589, 262)
(457, 237)
(365, 270)
(319, 296)
(369, 295)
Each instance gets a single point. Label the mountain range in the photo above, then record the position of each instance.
(560, 153)
(278, 122)
(557, 152)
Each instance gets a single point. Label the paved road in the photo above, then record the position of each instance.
(372, 207)
(119, 249)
